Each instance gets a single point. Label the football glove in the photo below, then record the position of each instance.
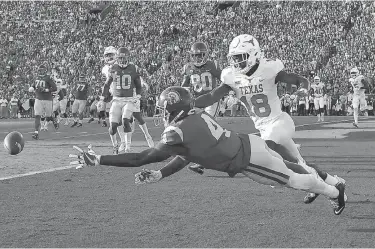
(84, 158)
(148, 176)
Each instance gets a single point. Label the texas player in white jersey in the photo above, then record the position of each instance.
(318, 90)
(254, 80)
(359, 84)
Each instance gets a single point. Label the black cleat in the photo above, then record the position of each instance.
(35, 136)
(74, 124)
(339, 202)
(197, 168)
(79, 125)
(90, 120)
(310, 197)
(104, 124)
(56, 124)
(355, 125)
(115, 150)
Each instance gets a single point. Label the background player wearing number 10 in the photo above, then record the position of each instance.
(201, 75)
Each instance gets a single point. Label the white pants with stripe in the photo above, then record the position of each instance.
(267, 167)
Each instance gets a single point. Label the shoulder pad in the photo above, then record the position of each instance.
(172, 135)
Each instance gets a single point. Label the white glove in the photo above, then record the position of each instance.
(148, 176)
(85, 158)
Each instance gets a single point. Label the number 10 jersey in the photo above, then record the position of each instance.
(123, 84)
(259, 90)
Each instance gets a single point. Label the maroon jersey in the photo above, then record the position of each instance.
(126, 82)
(44, 86)
(82, 90)
(208, 144)
(201, 79)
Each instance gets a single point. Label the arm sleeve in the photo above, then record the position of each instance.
(138, 85)
(292, 78)
(175, 165)
(159, 153)
(212, 97)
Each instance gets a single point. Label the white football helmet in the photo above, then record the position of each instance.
(110, 54)
(244, 53)
(316, 80)
(354, 72)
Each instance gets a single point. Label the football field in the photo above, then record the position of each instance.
(47, 203)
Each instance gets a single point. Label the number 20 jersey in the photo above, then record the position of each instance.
(207, 143)
(201, 79)
(123, 86)
(260, 90)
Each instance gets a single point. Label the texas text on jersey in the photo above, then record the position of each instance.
(259, 90)
(201, 79)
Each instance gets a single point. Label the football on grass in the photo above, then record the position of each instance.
(14, 142)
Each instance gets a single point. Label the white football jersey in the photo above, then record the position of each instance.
(260, 90)
(318, 89)
(357, 84)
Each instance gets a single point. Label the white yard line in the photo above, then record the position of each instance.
(96, 134)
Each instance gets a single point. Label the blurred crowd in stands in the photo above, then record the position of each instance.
(325, 38)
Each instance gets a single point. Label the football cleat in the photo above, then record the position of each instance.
(104, 124)
(74, 124)
(355, 125)
(56, 124)
(197, 168)
(79, 125)
(310, 197)
(90, 120)
(339, 202)
(35, 136)
(115, 150)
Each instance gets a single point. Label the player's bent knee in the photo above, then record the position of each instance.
(138, 117)
(126, 124)
(112, 129)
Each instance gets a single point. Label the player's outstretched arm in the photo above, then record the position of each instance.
(292, 78)
(158, 153)
(212, 97)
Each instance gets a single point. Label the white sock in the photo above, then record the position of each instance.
(355, 115)
(145, 130)
(128, 139)
(331, 180)
(121, 133)
(113, 139)
(311, 183)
